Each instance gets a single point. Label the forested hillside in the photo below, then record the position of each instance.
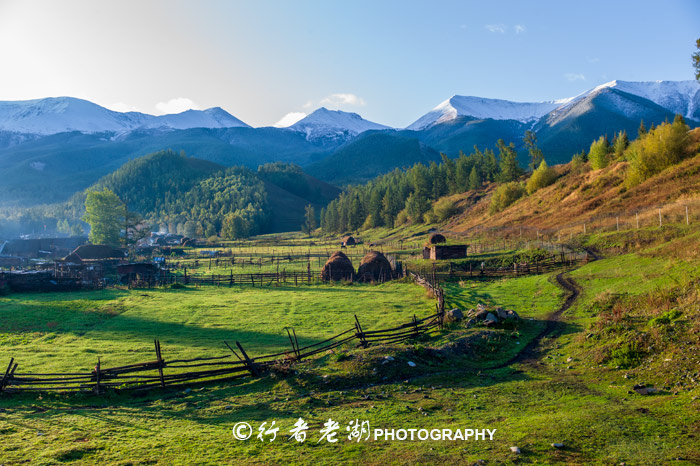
(197, 198)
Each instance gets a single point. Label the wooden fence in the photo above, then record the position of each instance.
(160, 373)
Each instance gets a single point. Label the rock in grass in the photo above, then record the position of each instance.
(455, 315)
(491, 319)
(558, 445)
(411, 363)
(501, 313)
(645, 389)
(515, 450)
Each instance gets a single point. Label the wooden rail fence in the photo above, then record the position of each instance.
(160, 372)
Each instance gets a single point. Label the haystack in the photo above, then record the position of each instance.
(348, 241)
(436, 238)
(374, 268)
(338, 267)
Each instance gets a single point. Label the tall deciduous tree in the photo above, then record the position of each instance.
(106, 215)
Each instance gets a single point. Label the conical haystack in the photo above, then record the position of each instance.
(338, 267)
(374, 268)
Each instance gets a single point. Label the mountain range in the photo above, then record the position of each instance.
(50, 148)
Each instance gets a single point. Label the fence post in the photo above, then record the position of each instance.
(249, 362)
(360, 334)
(636, 215)
(98, 368)
(687, 219)
(6, 377)
(660, 217)
(160, 362)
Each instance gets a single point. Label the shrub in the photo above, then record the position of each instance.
(541, 177)
(661, 147)
(665, 318)
(444, 209)
(401, 218)
(628, 355)
(599, 153)
(505, 195)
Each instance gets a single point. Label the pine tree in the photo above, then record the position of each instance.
(620, 143)
(536, 155)
(642, 129)
(474, 179)
(510, 170)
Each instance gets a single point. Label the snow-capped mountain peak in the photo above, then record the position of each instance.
(482, 108)
(53, 115)
(324, 123)
(681, 97)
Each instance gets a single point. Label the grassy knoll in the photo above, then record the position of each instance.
(68, 330)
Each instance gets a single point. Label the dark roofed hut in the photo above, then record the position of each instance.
(374, 268)
(338, 267)
(436, 238)
(94, 252)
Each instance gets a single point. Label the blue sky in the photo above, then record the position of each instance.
(390, 61)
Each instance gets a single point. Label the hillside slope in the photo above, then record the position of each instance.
(581, 196)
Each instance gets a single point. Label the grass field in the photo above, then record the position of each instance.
(566, 396)
(60, 331)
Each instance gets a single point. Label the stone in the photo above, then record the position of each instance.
(645, 390)
(481, 315)
(569, 359)
(558, 445)
(515, 450)
(455, 315)
(411, 363)
(513, 315)
(491, 319)
(501, 313)
(480, 307)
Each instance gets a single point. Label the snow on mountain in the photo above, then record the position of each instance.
(324, 123)
(481, 108)
(60, 114)
(681, 97)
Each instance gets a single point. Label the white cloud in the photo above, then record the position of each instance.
(177, 105)
(289, 119)
(336, 101)
(575, 77)
(519, 28)
(499, 28)
(593, 59)
(122, 107)
(309, 104)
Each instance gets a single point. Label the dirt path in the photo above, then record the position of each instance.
(530, 354)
